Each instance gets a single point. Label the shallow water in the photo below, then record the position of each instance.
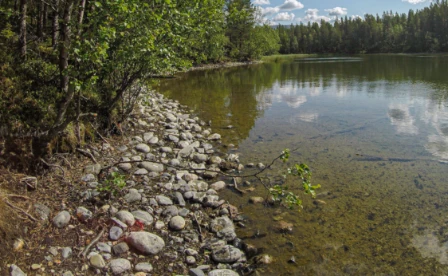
(374, 130)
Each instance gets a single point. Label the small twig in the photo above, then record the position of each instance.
(19, 196)
(95, 240)
(87, 154)
(21, 210)
(97, 132)
(65, 160)
(235, 185)
(199, 226)
(54, 165)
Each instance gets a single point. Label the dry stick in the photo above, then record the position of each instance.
(87, 154)
(95, 240)
(65, 160)
(21, 210)
(19, 196)
(199, 226)
(97, 132)
(235, 185)
(53, 165)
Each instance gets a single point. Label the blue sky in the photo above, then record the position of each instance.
(296, 11)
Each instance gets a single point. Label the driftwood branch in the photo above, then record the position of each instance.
(95, 240)
(21, 210)
(87, 154)
(55, 166)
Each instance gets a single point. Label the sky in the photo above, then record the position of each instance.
(295, 11)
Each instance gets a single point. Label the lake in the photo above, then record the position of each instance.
(374, 131)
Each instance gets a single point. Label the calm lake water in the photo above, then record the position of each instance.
(373, 129)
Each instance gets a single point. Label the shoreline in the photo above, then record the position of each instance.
(163, 221)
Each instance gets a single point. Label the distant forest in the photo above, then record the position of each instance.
(418, 31)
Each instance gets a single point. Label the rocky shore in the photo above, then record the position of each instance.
(151, 207)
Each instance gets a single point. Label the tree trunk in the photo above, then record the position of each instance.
(22, 31)
(40, 21)
(81, 16)
(55, 24)
(63, 65)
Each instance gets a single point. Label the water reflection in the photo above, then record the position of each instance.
(400, 117)
(372, 131)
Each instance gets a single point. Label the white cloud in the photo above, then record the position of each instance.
(415, 1)
(261, 2)
(284, 16)
(312, 15)
(354, 17)
(269, 11)
(290, 5)
(337, 11)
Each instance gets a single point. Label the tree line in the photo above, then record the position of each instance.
(69, 65)
(423, 30)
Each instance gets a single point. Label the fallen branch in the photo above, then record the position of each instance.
(97, 132)
(19, 196)
(199, 226)
(95, 240)
(235, 185)
(87, 154)
(21, 210)
(55, 166)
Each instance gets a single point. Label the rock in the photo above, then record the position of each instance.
(92, 169)
(144, 148)
(16, 271)
(152, 167)
(125, 217)
(170, 211)
(83, 214)
(179, 199)
(191, 252)
(53, 251)
(283, 226)
(42, 211)
(104, 247)
(163, 200)
(118, 222)
(215, 160)
(66, 252)
(261, 166)
(36, 266)
(115, 233)
(256, 199)
(177, 223)
(190, 260)
(166, 149)
(264, 259)
(153, 140)
(141, 172)
(214, 136)
(220, 272)
(88, 178)
(68, 273)
(145, 242)
(97, 261)
(170, 117)
(159, 225)
(226, 254)
(195, 272)
(132, 196)
(188, 150)
(61, 219)
(147, 136)
(125, 166)
(120, 248)
(143, 217)
(217, 186)
(199, 158)
(143, 267)
(224, 228)
(119, 266)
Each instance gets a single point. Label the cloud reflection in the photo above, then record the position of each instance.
(400, 117)
(430, 247)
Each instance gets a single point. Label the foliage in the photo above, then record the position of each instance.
(280, 193)
(418, 31)
(113, 185)
(64, 63)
